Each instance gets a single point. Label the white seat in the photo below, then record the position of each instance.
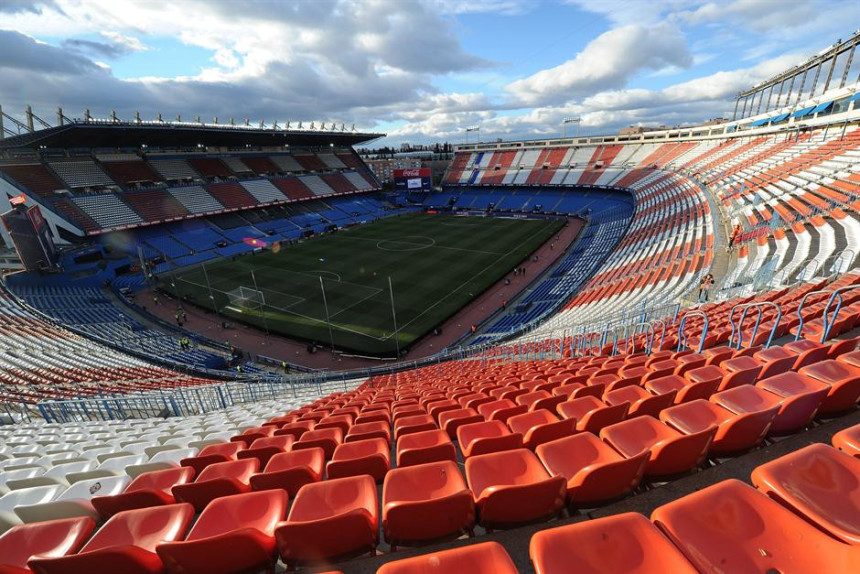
(25, 496)
(19, 474)
(118, 464)
(74, 501)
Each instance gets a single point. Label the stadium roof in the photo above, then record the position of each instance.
(126, 135)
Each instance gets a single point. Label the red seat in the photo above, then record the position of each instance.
(484, 558)
(593, 470)
(683, 390)
(540, 400)
(575, 390)
(848, 441)
(364, 431)
(126, 543)
(234, 534)
(487, 437)
(342, 422)
(819, 483)
(252, 434)
(147, 489)
(844, 381)
(426, 502)
(688, 362)
(436, 408)
(291, 470)
(641, 402)
(736, 432)
(670, 451)
(512, 487)
(540, 426)
(774, 360)
(265, 448)
(326, 439)
(414, 423)
(221, 452)
(217, 480)
(371, 457)
(730, 527)
(423, 447)
(717, 355)
(739, 371)
(799, 398)
(296, 429)
(501, 410)
(450, 421)
(592, 414)
(621, 543)
(49, 539)
(373, 416)
(330, 519)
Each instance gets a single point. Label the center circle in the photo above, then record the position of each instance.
(406, 243)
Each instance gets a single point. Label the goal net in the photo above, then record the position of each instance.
(246, 298)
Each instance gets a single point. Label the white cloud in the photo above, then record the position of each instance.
(608, 61)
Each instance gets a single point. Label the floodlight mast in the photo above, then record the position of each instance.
(570, 120)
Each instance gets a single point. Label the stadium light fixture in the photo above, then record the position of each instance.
(570, 120)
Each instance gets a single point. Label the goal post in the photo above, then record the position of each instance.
(247, 298)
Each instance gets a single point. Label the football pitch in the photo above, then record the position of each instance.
(336, 286)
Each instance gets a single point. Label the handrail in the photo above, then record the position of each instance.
(648, 328)
(759, 306)
(828, 324)
(662, 334)
(800, 308)
(682, 336)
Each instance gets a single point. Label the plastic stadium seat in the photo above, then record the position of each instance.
(50, 539)
(327, 439)
(848, 441)
(739, 371)
(220, 452)
(414, 423)
(342, 422)
(24, 496)
(731, 527)
(126, 543)
(807, 352)
(844, 381)
(374, 416)
(291, 470)
(670, 451)
(799, 396)
(486, 437)
(364, 431)
(234, 534)
(484, 558)
(540, 426)
(683, 389)
(148, 489)
(621, 543)
(250, 435)
(512, 487)
(330, 519)
(74, 501)
(296, 429)
(501, 410)
(736, 432)
(450, 421)
(266, 447)
(819, 483)
(774, 360)
(540, 400)
(593, 470)
(423, 447)
(371, 457)
(426, 502)
(592, 414)
(642, 403)
(217, 480)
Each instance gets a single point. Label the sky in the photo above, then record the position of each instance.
(421, 71)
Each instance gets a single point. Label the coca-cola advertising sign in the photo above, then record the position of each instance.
(413, 172)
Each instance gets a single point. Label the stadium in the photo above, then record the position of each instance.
(231, 347)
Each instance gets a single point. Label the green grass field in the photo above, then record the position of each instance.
(437, 264)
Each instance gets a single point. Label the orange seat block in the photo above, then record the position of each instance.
(450, 421)
(819, 483)
(217, 480)
(642, 403)
(501, 410)
(221, 452)
(234, 534)
(326, 439)
(621, 543)
(671, 452)
(512, 487)
(593, 470)
(147, 489)
(736, 432)
(844, 381)
(848, 441)
(48, 539)
(414, 423)
(483, 558)
(731, 527)
(424, 447)
(426, 502)
(371, 457)
(291, 470)
(266, 447)
(125, 543)
(540, 426)
(330, 519)
(592, 414)
(487, 437)
(296, 429)
(364, 431)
